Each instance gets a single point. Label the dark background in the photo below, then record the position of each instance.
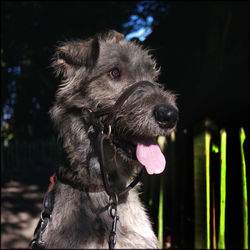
(203, 51)
(202, 48)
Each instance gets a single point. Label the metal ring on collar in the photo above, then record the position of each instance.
(109, 132)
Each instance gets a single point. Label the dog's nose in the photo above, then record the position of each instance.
(166, 116)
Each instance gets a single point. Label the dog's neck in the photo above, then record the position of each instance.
(75, 172)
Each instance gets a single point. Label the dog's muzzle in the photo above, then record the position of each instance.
(165, 115)
(111, 111)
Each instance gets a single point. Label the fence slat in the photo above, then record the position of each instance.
(221, 241)
(207, 153)
(244, 190)
(160, 215)
(202, 190)
(162, 141)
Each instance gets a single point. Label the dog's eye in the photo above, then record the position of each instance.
(115, 73)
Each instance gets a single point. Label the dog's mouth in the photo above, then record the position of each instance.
(144, 150)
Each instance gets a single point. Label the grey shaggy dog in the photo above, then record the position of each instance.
(95, 72)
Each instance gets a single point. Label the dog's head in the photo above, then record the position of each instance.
(95, 72)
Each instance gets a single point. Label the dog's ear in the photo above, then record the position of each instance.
(72, 55)
(112, 35)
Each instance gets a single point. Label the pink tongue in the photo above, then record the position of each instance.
(149, 155)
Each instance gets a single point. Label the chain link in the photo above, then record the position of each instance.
(112, 211)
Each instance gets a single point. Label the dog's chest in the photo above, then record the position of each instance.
(82, 221)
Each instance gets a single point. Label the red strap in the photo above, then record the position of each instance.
(52, 179)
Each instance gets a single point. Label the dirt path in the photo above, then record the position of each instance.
(21, 205)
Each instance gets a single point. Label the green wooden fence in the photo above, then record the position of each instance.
(205, 235)
(208, 209)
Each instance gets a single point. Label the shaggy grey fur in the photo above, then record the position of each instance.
(90, 80)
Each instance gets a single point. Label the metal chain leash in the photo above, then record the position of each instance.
(37, 242)
(112, 211)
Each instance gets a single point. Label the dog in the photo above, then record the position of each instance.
(108, 111)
